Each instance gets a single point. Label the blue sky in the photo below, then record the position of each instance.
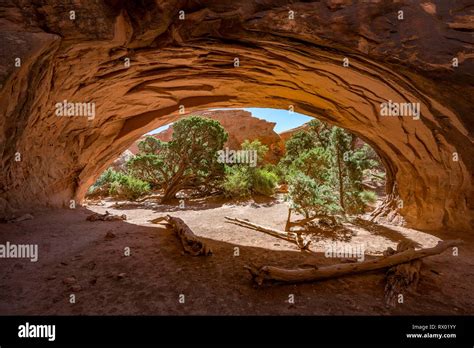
(284, 120)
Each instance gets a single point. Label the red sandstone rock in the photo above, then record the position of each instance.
(282, 62)
(240, 126)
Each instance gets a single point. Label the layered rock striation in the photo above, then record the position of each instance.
(140, 63)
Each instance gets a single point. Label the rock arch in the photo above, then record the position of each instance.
(282, 62)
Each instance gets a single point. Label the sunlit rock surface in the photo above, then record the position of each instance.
(240, 126)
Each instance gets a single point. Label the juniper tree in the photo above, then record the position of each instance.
(323, 160)
(188, 160)
(191, 155)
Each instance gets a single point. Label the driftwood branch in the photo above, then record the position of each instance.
(292, 237)
(298, 275)
(190, 242)
(106, 217)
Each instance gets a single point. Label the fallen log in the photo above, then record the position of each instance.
(190, 242)
(24, 217)
(106, 217)
(403, 277)
(292, 237)
(298, 275)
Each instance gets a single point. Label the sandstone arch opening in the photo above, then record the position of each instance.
(418, 154)
(308, 160)
(242, 129)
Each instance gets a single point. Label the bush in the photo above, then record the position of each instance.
(129, 187)
(150, 145)
(114, 189)
(309, 198)
(242, 180)
(117, 184)
(368, 196)
(103, 184)
(236, 182)
(107, 177)
(357, 201)
(257, 146)
(264, 182)
(329, 163)
(314, 163)
(134, 188)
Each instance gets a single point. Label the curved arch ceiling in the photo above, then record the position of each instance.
(282, 62)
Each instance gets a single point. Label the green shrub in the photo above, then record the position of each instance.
(134, 188)
(264, 182)
(257, 146)
(103, 184)
(299, 143)
(331, 168)
(242, 181)
(129, 188)
(309, 198)
(114, 189)
(357, 201)
(236, 182)
(368, 196)
(314, 163)
(189, 159)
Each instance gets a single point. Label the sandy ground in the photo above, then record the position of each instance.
(151, 280)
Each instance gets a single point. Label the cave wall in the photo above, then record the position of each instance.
(290, 56)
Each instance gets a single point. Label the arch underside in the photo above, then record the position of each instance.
(278, 68)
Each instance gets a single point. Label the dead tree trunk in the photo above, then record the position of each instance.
(190, 242)
(174, 184)
(292, 237)
(298, 275)
(341, 180)
(403, 277)
(288, 221)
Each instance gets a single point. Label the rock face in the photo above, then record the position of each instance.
(240, 126)
(142, 62)
(289, 133)
(119, 163)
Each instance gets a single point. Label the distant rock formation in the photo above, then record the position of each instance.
(240, 125)
(119, 163)
(289, 133)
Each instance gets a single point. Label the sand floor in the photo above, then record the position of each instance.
(75, 257)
